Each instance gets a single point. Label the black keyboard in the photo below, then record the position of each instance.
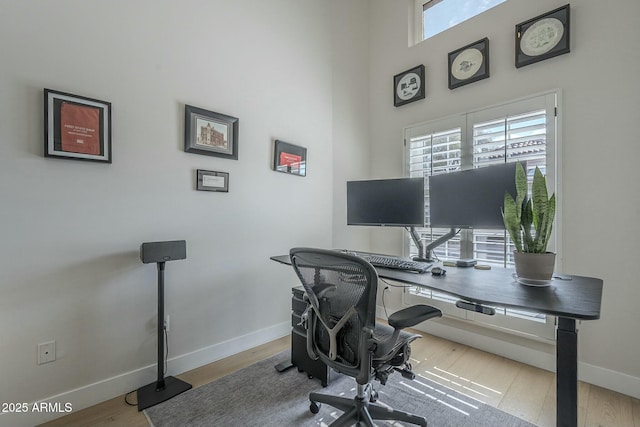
(387, 261)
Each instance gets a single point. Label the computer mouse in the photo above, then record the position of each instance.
(437, 271)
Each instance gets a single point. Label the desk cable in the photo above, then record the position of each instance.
(386, 288)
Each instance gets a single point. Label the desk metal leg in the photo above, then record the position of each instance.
(567, 373)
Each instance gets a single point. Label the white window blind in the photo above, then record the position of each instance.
(517, 138)
(431, 152)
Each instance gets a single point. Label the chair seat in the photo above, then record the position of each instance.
(382, 333)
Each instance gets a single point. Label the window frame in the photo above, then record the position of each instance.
(550, 101)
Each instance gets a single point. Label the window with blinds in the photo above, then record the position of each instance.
(518, 131)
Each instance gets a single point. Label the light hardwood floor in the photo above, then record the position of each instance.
(516, 388)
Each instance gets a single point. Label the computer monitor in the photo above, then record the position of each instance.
(386, 202)
(471, 198)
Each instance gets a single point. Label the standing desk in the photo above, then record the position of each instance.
(576, 298)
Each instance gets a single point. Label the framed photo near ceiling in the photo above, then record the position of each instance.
(409, 86)
(212, 181)
(469, 63)
(289, 158)
(76, 127)
(543, 37)
(210, 133)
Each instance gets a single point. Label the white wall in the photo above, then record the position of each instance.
(601, 109)
(71, 230)
(351, 138)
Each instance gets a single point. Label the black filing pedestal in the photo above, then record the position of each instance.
(299, 356)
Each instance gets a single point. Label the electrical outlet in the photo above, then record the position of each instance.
(46, 352)
(167, 323)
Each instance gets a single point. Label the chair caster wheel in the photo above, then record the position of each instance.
(310, 377)
(300, 369)
(374, 396)
(314, 407)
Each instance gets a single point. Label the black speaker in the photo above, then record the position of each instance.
(164, 388)
(163, 251)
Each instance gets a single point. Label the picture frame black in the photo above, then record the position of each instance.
(212, 181)
(409, 86)
(543, 37)
(76, 127)
(210, 133)
(289, 158)
(469, 63)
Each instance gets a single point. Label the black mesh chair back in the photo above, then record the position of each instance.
(341, 289)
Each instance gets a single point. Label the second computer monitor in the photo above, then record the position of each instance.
(471, 198)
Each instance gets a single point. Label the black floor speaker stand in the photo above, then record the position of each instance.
(164, 388)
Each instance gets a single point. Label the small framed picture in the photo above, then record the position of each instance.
(76, 127)
(543, 37)
(409, 86)
(289, 158)
(212, 181)
(209, 133)
(469, 64)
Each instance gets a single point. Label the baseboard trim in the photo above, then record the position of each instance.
(612, 380)
(98, 392)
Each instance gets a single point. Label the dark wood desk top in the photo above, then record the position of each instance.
(577, 298)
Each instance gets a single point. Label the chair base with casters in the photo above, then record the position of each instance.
(362, 409)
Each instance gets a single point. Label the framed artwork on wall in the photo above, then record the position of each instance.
(76, 127)
(543, 37)
(409, 86)
(469, 63)
(212, 181)
(209, 133)
(289, 158)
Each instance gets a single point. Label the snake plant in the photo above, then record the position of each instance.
(521, 214)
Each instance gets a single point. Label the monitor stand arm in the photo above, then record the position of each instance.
(424, 253)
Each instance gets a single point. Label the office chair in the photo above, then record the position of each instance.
(341, 331)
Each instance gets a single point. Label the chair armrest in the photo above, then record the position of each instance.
(413, 315)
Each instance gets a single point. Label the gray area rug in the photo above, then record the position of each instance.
(261, 396)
